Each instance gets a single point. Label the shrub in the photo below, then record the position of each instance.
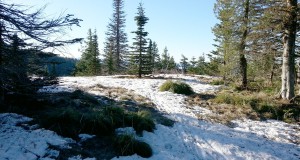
(176, 87)
(127, 145)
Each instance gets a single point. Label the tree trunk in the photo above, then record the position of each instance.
(288, 58)
(1, 65)
(243, 60)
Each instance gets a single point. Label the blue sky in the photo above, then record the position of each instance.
(183, 26)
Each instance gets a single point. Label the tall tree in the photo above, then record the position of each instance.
(140, 42)
(89, 64)
(288, 55)
(116, 40)
(224, 32)
(242, 45)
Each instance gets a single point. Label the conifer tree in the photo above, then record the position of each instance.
(165, 59)
(89, 64)
(116, 40)
(184, 64)
(140, 48)
(156, 57)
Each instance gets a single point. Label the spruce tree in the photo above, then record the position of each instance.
(184, 64)
(156, 57)
(89, 64)
(116, 40)
(140, 48)
(165, 59)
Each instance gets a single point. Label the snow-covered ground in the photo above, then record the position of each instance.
(17, 143)
(190, 138)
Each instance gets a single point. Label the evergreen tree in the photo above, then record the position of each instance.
(184, 64)
(231, 36)
(165, 59)
(201, 66)
(140, 48)
(192, 67)
(116, 40)
(156, 57)
(151, 55)
(89, 64)
(172, 64)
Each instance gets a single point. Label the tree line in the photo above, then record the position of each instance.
(142, 57)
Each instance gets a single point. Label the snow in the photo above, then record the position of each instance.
(17, 143)
(191, 138)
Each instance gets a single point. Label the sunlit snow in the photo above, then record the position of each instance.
(191, 138)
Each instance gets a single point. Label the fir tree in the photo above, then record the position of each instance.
(184, 64)
(140, 48)
(116, 40)
(89, 63)
(156, 57)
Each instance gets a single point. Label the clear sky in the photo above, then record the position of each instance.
(183, 26)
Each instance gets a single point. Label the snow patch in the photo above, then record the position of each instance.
(19, 143)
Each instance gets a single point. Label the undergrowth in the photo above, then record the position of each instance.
(71, 114)
(260, 103)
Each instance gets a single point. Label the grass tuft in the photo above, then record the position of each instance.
(126, 145)
(176, 87)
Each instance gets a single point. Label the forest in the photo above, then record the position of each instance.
(132, 101)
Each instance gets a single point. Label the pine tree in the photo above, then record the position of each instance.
(116, 40)
(89, 64)
(156, 57)
(192, 66)
(172, 64)
(184, 64)
(150, 53)
(165, 59)
(139, 55)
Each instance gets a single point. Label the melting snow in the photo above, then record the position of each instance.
(190, 138)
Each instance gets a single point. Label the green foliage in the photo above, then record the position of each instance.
(176, 87)
(139, 54)
(115, 45)
(89, 64)
(127, 145)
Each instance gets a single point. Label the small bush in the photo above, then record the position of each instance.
(126, 145)
(176, 87)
